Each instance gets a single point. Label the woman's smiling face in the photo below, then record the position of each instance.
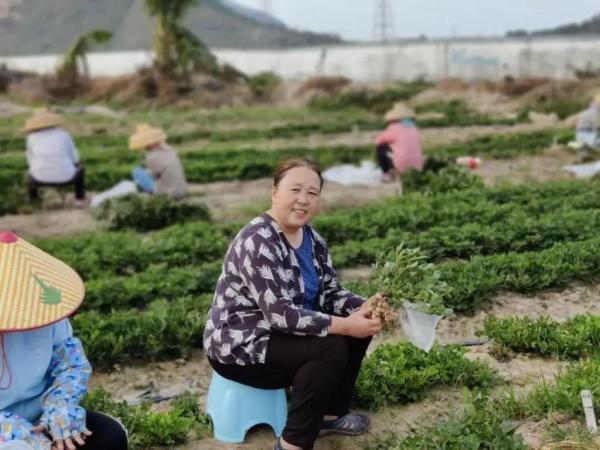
(297, 198)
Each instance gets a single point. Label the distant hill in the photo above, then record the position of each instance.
(50, 26)
(590, 26)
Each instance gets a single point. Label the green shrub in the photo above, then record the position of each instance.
(402, 373)
(264, 84)
(446, 179)
(158, 281)
(147, 212)
(148, 428)
(377, 101)
(577, 337)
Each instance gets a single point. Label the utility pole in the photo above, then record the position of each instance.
(267, 7)
(383, 23)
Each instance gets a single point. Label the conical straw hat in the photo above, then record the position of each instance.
(145, 135)
(36, 289)
(398, 112)
(41, 119)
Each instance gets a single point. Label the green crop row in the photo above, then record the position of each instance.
(149, 429)
(578, 337)
(415, 212)
(163, 330)
(96, 255)
(453, 117)
(401, 373)
(158, 281)
(464, 285)
(518, 231)
(147, 212)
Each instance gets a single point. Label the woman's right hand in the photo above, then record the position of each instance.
(360, 325)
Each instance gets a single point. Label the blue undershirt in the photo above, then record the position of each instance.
(304, 254)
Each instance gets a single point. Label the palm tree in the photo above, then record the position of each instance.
(76, 55)
(178, 50)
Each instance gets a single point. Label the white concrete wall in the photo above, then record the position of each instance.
(470, 60)
(100, 64)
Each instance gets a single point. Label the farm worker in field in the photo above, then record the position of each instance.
(280, 317)
(43, 369)
(399, 145)
(587, 124)
(164, 173)
(52, 157)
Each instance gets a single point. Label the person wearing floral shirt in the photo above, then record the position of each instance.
(43, 369)
(280, 317)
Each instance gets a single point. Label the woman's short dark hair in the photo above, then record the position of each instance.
(290, 164)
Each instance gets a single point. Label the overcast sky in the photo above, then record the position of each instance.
(353, 19)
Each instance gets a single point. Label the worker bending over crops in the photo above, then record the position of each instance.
(399, 145)
(163, 173)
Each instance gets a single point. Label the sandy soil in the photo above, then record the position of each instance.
(49, 223)
(525, 169)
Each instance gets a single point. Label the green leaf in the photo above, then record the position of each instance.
(50, 295)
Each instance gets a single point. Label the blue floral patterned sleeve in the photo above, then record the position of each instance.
(70, 372)
(14, 427)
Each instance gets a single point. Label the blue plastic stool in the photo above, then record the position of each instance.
(235, 408)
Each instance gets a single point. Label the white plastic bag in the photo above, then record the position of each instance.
(583, 170)
(120, 189)
(347, 174)
(418, 327)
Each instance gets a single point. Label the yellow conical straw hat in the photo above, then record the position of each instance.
(41, 119)
(398, 112)
(145, 135)
(36, 289)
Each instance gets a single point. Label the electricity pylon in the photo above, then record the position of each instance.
(383, 24)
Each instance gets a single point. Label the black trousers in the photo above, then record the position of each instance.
(78, 181)
(107, 433)
(384, 157)
(322, 372)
